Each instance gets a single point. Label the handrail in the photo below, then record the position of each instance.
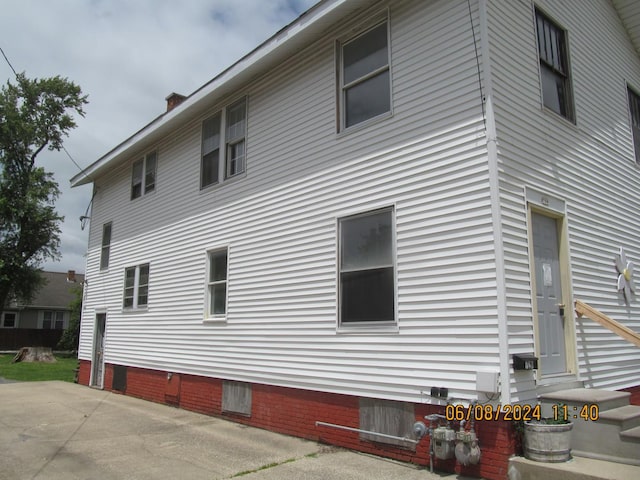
(607, 322)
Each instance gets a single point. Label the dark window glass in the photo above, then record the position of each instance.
(150, 173)
(210, 151)
(634, 112)
(136, 179)
(106, 246)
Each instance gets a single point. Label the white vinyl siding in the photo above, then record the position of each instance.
(428, 160)
(590, 166)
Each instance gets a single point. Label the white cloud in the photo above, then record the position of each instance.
(127, 56)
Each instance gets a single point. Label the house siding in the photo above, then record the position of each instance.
(590, 165)
(428, 161)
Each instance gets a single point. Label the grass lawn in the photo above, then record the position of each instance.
(63, 369)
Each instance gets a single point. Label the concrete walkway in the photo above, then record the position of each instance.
(58, 430)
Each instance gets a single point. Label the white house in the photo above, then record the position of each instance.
(380, 206)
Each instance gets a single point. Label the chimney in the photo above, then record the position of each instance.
(71, 276)
(173, 100)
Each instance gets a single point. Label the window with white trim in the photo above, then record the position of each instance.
(554, 66)
(106, 246)
(53, 320)
(364, 76)
(217, 283)
(8, 320)
(367, 268)
(224, 144)
(143, 175)
(634, 113)
(136, 286)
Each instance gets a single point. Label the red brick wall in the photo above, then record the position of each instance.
(635, 394)
(84, 373)
(294, 412)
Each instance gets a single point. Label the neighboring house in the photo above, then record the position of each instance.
(383, 198)
(49, 308)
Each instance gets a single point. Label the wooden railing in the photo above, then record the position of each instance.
(607, 322)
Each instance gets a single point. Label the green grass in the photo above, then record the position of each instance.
(63, 369)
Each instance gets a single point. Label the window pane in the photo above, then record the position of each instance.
(143, 278)
(46, 324)
(218, 266)
(366, 241)
(128, 297)
(210, 168)
(143, 295)
(106, 246)
(9, 320)
(59, 325)
(129, 277)
(150, 173)
(211, 134)
(218, 296)
(236, 114)
(367, 99)
(367, 296)
(106, 234)
(553, 91)
(136, 179)
(235, 159)
(365, 54)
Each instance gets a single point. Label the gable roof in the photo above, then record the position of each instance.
(629, 13)
(56, 292)
(298, 34)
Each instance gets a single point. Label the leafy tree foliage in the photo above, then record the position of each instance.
(71, 336)
(34, 115)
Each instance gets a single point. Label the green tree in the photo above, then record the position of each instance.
(34, 115)
(71, 336)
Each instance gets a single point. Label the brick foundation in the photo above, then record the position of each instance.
(294, 412)
(635, 394)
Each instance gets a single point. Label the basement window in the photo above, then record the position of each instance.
(387, 417)
(236, 397)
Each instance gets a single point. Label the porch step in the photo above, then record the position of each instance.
(611, 431)
(577, 468)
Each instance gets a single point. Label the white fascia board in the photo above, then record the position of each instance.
(307, 27)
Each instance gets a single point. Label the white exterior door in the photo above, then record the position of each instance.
(97, 373)
(548, 290)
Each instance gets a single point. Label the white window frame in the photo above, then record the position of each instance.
(343, 88)
(105, 249)
(229, 141)
(15, 319)
(210, 285)
(136, 304)
(555, 67)
(359, 325)
(634, 121)
(148, 168)
(54, 316)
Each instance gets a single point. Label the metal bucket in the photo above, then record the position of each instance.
(547, 443)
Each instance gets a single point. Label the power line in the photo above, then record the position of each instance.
(5, 57)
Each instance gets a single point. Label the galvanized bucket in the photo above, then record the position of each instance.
(547, 443)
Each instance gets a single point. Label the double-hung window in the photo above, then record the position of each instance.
(136, 286)
(634, 113)
(143, 176)
(224, 144)
(554, 66)
(217, 283)
(8, 320)
(106, 246)
(365, 79)
(367, 268)
(53, 319)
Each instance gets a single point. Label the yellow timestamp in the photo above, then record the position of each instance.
(588, 412)
(516, 412)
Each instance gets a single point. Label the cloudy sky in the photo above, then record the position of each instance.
(127, 55)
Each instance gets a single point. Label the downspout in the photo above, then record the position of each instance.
(496, 211)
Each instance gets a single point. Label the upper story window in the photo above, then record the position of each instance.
(367, 268)
(217, 284)
(364, 76)
(554, 66)
(136, 286)
(224, 144)
(143, 176)
(106, 246)
(634, 113)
